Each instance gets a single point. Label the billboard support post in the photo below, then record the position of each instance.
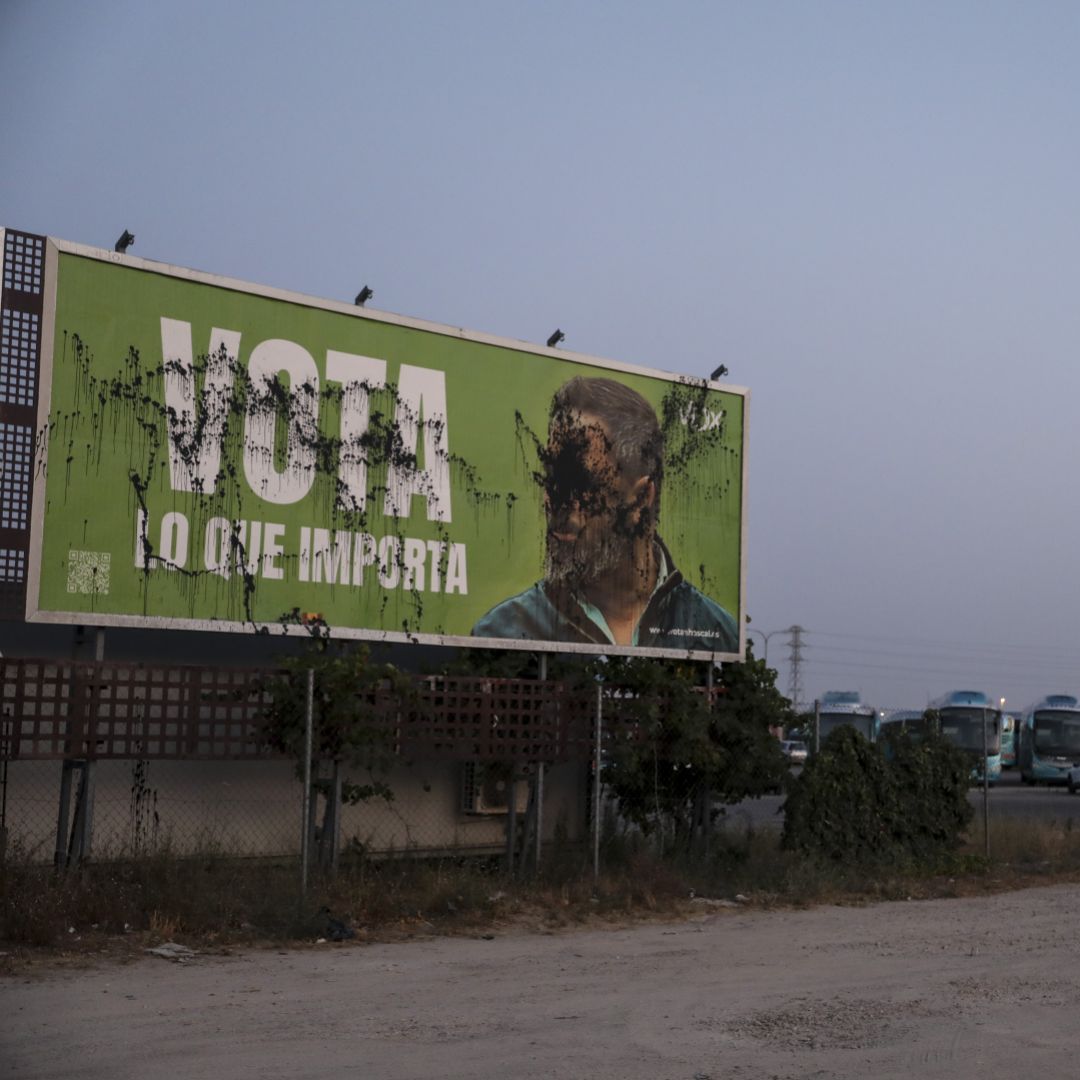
(538, 814)
(511, 818)
(305, 853)
(538, 794)
(706, 799)
(60, 855)
(986, 784)
(596, 783)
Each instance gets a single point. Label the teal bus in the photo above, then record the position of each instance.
(845, 708)
(913, 721)
(966, 718)
(1050, 740)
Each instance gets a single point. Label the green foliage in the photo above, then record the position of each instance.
(933, 777)
(842, 804)
(494, 664)
(346, 725)
(857, 802)
(669, 749)
(750, 763)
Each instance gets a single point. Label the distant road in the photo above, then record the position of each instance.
(1011, 799)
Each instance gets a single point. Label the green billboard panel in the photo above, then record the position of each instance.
(216, 455)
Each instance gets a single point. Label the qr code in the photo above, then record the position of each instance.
(88, 572)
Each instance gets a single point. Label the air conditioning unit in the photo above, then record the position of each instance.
(485, 788)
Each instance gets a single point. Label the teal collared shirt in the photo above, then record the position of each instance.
(597, 616)
(678, 616)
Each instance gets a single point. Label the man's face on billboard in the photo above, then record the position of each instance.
(594, 513)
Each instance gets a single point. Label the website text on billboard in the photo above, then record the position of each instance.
(213, 454)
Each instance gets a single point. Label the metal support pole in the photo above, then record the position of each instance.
(538, 819)
(60, 853)
(596, 784)
(330, 836)
(74, 843)
(84, 813)
(309, 713)
(99, 644)
(706, 817)
(511, 819)
(538, 816)
(817, 726)
(7, 735)
(986, 786)
(525, 856)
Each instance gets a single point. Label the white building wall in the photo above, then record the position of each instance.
(254, 809)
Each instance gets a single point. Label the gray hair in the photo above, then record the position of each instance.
(637, 442)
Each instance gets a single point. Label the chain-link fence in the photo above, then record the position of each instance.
(254, 808)
(123, 760)
(120, 760)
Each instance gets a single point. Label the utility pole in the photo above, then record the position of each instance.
(795, 659)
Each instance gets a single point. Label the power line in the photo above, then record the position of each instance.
(947, 643)
(1049, 666)
(969, 670)
(1018, 668)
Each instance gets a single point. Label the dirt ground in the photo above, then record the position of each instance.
(938, 988)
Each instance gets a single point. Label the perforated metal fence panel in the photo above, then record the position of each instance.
(21, 303)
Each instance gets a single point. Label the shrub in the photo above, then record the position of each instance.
(932, 778)
(857, 802)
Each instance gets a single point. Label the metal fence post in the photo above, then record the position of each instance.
(538, 820)
(330, 836)
(7, 747)
(309, 712)
(60, 854)
(596, 785)
(986, 786)
(817, 726)
(706, 800)
(511, 819)
(83, 829)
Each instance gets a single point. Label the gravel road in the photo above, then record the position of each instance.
(943, 988)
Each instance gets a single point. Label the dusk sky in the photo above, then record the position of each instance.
(868, 212)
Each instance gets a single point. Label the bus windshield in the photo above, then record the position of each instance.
(1057, 734)
(862, 724)
(964, 727)
(916, 727)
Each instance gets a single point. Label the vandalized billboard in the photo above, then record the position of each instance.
(216, 455)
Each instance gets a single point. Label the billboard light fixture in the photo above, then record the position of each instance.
(555, 339)
(363, 296)
(125, 241)
(719, 373)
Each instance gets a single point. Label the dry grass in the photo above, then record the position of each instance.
(216, 903)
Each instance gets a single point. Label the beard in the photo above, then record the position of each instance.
(588, 559)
